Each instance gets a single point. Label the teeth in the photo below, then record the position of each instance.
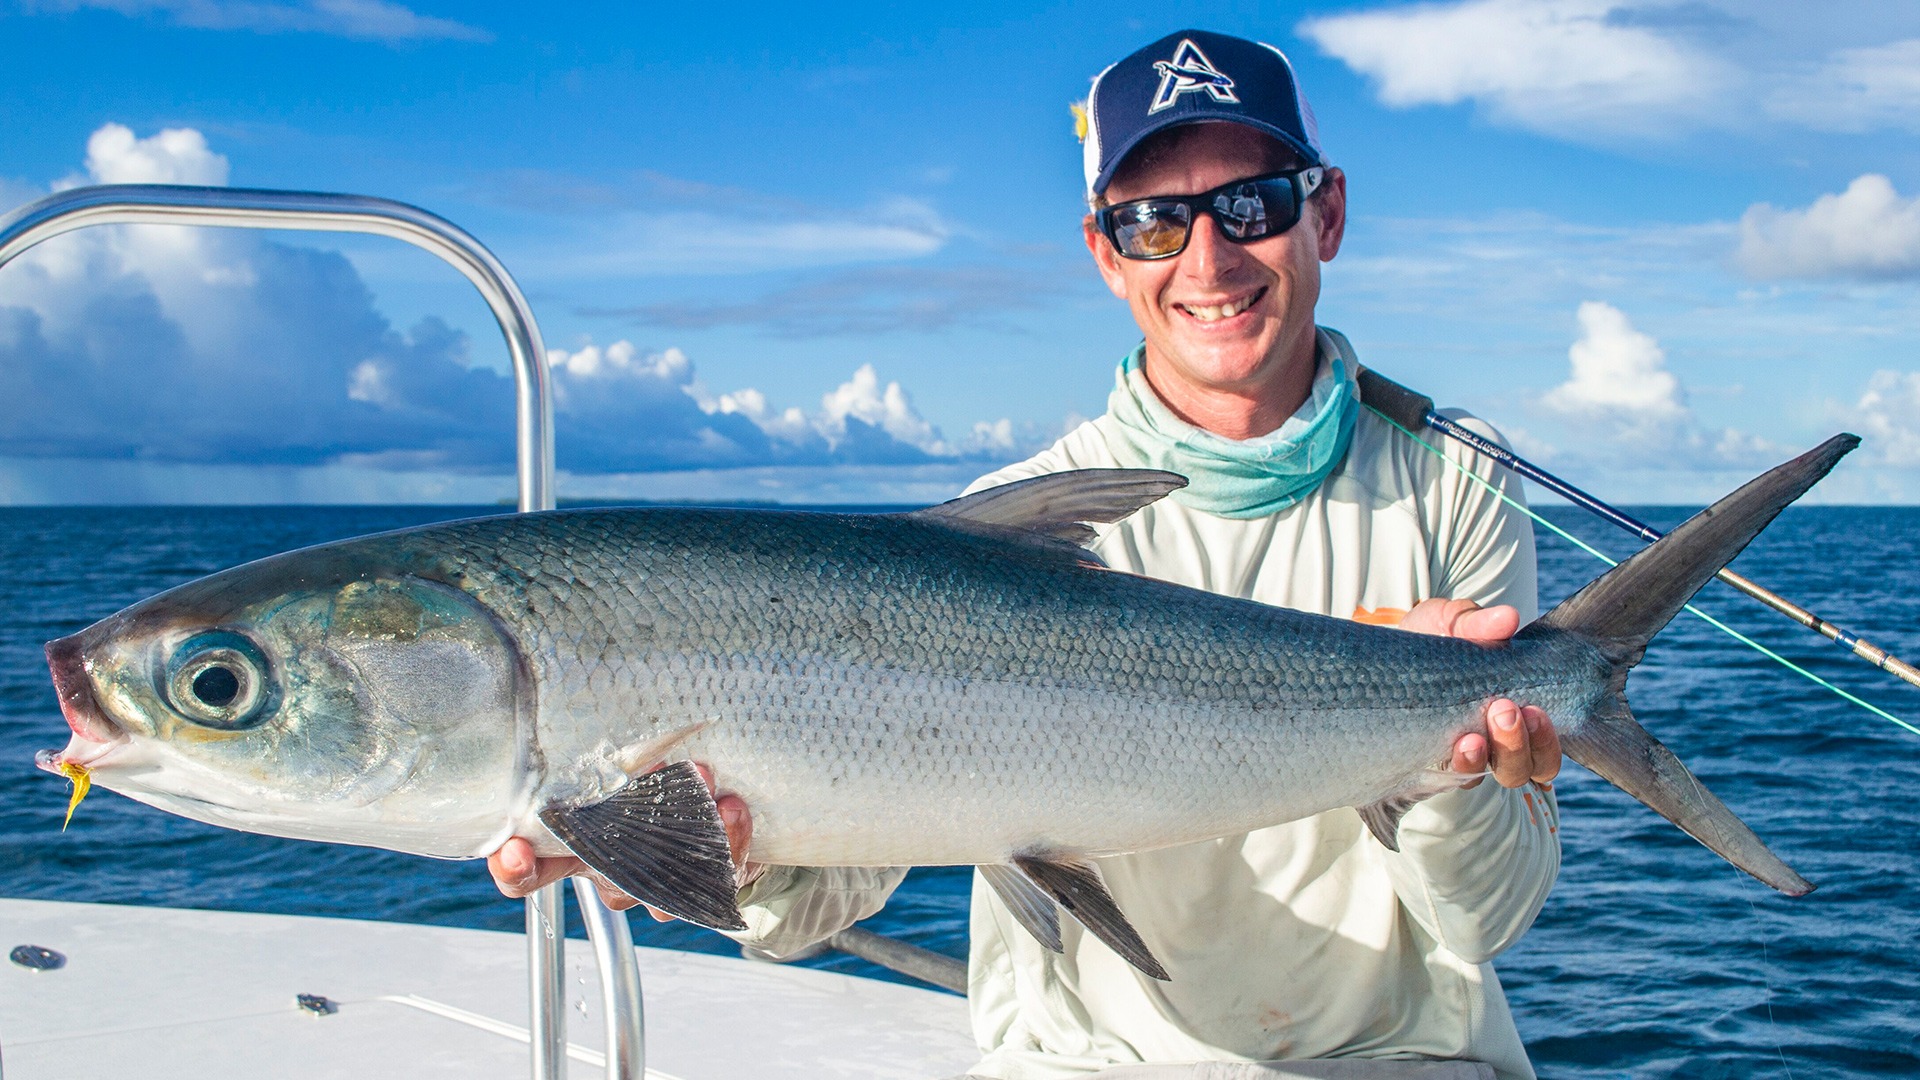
(1214, 312)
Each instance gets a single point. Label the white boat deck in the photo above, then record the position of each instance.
(160, 993)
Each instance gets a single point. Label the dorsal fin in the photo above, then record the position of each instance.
(1060, 505)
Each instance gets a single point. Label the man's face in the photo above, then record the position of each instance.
(1225, 320)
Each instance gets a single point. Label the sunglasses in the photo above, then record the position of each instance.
(1246, 210)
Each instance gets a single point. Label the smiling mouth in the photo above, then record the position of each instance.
(1208, 313)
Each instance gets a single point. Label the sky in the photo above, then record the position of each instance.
(834, 255)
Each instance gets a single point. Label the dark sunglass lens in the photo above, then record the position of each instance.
(1241, 212)
(1150, 230)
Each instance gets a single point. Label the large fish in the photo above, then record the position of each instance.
(961, 685)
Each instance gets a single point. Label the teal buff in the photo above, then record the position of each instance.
(1238, 478)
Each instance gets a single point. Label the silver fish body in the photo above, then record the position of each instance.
(960, 685)
(880, 690)
(951, 699)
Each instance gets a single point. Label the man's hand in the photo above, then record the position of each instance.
(518, 872)
(1525, 747)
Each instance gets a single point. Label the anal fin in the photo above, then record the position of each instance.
(1076, 884)
(661, 840)
(1034, 908)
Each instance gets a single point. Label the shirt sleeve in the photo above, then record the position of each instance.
(1483, 548)
(792, 907)
(1475, 866)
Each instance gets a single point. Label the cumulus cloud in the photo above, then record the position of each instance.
(1866, 231)
(1616, 368)
(861, 399)
(174, 156)
(1562, 67)
(1620, 401)
(599, 392)
(1855, 90)
(369, 20)
(217, 347)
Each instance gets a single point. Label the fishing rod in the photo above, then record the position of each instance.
(1413, 411)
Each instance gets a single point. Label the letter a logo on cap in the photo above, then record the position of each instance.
(1189, 72)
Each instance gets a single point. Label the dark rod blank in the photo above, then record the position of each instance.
(1414, 411)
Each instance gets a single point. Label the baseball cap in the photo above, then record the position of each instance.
(1195, 75)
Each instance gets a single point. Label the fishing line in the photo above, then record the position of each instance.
(1603, 557)
(1766, 975)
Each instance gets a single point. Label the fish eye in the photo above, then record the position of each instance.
(220, 680)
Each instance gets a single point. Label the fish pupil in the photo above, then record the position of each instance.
(217, 686)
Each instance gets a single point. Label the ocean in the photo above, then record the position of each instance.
(1652, 958)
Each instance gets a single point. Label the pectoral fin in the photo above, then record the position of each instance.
(1076, 884)
(661, 840)
(1383, 819)
(1033, 908)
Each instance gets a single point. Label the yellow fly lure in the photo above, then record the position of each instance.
(81, 780)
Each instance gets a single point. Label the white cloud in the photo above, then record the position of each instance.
(859, 420)
(622, 359)
(789, 424)
(174, 156)
(1563, 67)
(1621, 405)
(1856, 90)
(1866, 231)
(994, 435)
(1616, 368)
(370, 20)
(182, 269)
(1887, 415)
(889, 409)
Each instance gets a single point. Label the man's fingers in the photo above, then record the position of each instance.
(1545, 742)
(1463, 619)
(706, 775)
(1470, 757)
(1511, 753)
(513, 867)
(1488, 626)
(518, 873)
(739, 825)
(1436, 616)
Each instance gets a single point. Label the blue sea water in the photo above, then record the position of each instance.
(1652, 959)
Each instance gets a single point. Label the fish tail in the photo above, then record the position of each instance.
(1620, 611)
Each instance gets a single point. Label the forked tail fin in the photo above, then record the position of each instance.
(1624, 608)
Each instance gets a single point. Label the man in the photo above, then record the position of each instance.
(1213, 209)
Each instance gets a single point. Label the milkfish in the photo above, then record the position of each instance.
(959, 685)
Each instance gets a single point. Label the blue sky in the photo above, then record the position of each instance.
(834, 254)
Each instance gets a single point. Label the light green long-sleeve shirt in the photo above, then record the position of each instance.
(1307, 939)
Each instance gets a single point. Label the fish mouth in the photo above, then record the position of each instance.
(74, 687)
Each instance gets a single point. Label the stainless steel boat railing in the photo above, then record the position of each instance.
(166, 204)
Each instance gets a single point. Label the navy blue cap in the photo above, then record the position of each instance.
(1195, 75)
